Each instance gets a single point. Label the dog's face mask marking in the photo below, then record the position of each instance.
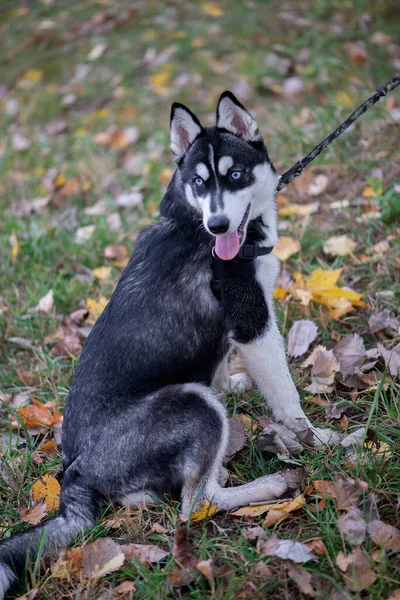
(225, 170)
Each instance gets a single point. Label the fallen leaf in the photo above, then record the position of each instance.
(184, 570)
(383, 320)
(117, 254)
(46, 303)
(352, 526)
(317, 546)
(145, 553)
(274, 517)
(83, 234)
(303, 579)
(298, 210)
(321, 280)
(39, 415)
(14, 246)
(395, 595)
(350, 352)
(101, 557)
(125, 588)
(356, 569)
(324, 487)
(384, 536)
(49, 448)
(288, 549)
(278, 439)
(206, 510)
(236, 440)
(286, 247)
(324, 366)
(129, 199)
(68, 564)
(301, 335)
(206, 568)
(102, 273)
(158, 528)
(286, 506)
(211, 9)
(35, 514)
(339, 245)
(348, 492)
(318, 185)
(391, 358)
(48, 489)
(95, 308)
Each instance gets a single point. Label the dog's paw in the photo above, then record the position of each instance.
(325, 437)
(240, 382)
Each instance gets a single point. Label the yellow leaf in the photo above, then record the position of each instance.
(33, 76)
(206, 510)
(212, 10)
(337, 292)
(368, 192)
(287, 507)
(102, 272)
(286, 247)
(59, 181)
(95, 307)
(321, 280)
(344, 99)
(280, 293)
(160, 79)
(298, 210)
(177, 35)
(339, 245)
(102, 113)
(80, 132)
(342, 307)
(14, 246)
(304, 296)
(48, 489)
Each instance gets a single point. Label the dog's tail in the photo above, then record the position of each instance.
(79, 508)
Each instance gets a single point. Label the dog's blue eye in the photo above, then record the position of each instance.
(236, 174)
(198, 181)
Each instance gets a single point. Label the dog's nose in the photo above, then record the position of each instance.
(218, 224)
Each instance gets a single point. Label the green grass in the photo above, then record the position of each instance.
(213, 54)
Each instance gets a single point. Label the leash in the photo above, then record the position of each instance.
(298, 168)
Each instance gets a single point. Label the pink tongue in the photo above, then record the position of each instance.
(227, 246)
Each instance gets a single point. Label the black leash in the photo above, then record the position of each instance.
(298, 168)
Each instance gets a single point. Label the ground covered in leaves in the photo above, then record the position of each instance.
(85, 92)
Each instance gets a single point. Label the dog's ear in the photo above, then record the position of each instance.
(232, 116)
(184, 129)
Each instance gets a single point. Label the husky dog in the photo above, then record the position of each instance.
(142, 419)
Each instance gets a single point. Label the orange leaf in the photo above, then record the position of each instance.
(48, 489)
(38, 414)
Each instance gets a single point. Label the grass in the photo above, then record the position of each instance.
(207, 54)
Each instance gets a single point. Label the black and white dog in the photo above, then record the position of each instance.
(142, 419)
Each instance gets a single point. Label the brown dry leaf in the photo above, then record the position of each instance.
(237, 439)
(212, 9)
(206, 568)
(274, 517)
(68, 564)
(70, 345)
(317, 546)
(301, 335)
(324, 487)
(302, 578)
(145, 553)
(39, 415)
(324, 366)
(395, 595)
(28, 378)
(288, 549)
(49, 448)
(383, 320)
(184, 570)
(278, 439)
(34, 515)
(339, 245)
(125, 588)
(352, 526)
(356, 569)
(286, 247)
(101, 557)
(391, 358)
(286, 506)
(46, 303)
(348, 492)
(385, 536)
(117, 254)
(357, 52)
(118, 139)
(350, 352)
(48, 489)
(71, 187)
(158, 528)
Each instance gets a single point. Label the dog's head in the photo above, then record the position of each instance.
(227, 175)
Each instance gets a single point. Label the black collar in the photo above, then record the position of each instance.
(247, 252)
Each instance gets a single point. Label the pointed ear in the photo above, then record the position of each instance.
(233, 117)
(184, 129)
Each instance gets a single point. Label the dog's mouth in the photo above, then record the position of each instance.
(227, 246)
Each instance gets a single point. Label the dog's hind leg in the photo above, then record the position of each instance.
(203, 465)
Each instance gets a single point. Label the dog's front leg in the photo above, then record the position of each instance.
(266, 362)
